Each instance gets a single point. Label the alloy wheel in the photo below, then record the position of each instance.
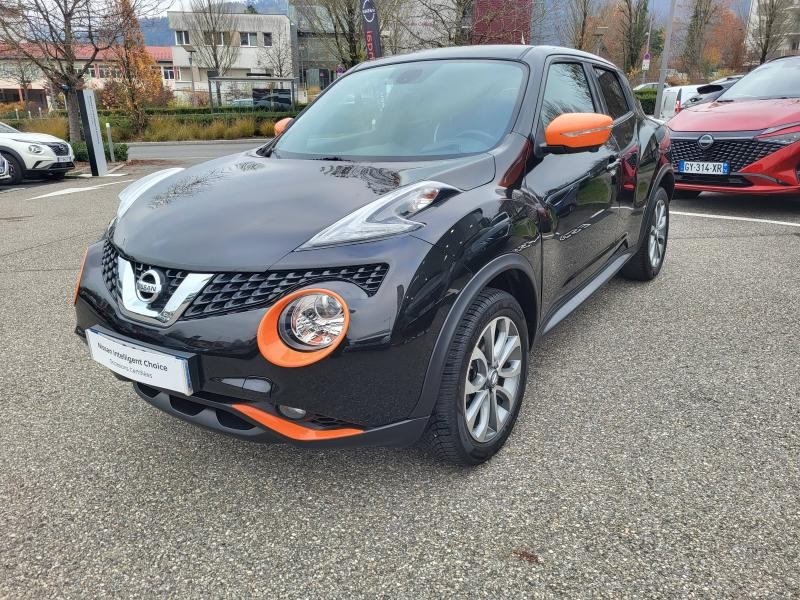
(493, 377)
(657, 242)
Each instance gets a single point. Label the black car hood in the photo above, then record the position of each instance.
(244, 212)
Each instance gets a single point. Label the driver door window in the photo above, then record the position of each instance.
(566, 91)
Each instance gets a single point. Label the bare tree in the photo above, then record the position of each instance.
(277, 58)
(704, 12)
(211, 23)
(63, 38)
(442, 23)
(337, 26)
(634, 19)
(575, 24)
(771, 22)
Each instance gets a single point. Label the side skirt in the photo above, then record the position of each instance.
(574, 301)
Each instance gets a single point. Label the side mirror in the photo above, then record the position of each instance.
(577, 132)
(283, 125)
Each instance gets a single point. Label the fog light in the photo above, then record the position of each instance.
(290, 412)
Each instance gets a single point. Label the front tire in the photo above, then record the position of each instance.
(483, 381)
(647, 262)
(14, 169)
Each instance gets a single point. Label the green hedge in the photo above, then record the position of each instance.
(82, 154)
(648, 100)
(186, 110)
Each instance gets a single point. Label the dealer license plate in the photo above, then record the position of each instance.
(63, 159)
(157, 369)
(703, 168)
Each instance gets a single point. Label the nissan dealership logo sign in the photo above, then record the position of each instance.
(368, 11)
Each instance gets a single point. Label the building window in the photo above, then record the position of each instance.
(168, 72)
(107, 72)
(181, 38)
(267, 39)
(218, 38)
(247, 38)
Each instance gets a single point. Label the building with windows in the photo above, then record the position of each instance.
(757, 20)
(259, 46)
(14, 70)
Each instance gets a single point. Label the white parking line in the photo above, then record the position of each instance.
(75, 190)
(727, 218)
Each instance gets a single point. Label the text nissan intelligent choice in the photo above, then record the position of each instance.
(378, 273)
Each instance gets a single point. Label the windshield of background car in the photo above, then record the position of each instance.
(438, 108)
(778, 79)
(7, 129)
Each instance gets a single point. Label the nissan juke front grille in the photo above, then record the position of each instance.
(231, 292)
(737, 153)
(234, 292)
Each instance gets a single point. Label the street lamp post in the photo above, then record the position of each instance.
(662, 78)
(190, 50)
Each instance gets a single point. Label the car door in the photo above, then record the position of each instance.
(619, 106)
(578, 190)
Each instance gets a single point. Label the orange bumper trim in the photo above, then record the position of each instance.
(292, 430)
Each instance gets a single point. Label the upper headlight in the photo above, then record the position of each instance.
(384, 217)
(137, 188)
(33, 148)
(785, 139)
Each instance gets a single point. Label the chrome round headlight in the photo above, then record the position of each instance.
(312, 322)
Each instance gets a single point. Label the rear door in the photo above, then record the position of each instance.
(578, 189)
(619, 106)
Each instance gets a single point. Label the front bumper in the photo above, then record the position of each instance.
(372, 383)
(757, 167)
(44, 166)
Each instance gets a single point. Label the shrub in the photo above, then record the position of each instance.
(56, 126)
(82, 153)
(648, 100)
(267, 128)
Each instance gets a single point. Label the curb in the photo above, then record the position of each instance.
(255, 141)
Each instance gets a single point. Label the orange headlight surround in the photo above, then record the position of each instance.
(80, 276)
(275, 350)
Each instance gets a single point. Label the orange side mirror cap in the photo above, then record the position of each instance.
(283, 125)
(578, 131)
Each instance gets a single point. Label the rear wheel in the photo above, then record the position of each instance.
(14, 169)
(646, 263)
(483, 381)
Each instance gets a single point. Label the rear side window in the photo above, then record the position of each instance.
(566, 91)
(611, 88)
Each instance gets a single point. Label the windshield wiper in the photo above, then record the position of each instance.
(331, 158)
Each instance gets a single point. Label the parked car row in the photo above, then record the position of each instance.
(33, 156)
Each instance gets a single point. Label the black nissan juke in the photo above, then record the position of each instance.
(378, 273)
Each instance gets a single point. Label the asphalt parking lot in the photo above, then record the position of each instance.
(657, 453)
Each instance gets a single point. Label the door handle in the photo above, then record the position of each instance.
(613, 162)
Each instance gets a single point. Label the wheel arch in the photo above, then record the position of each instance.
(8, 150)
(511, 273)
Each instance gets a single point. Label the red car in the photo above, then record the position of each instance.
(747, 141)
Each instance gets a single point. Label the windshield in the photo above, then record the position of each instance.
(420, 109)
(778, 79)
(7, 129)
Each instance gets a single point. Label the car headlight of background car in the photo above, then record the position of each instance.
(784, 138)
(388, 215)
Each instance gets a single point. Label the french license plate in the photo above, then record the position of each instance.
(704, 168)
(158, 369)
(63, 159)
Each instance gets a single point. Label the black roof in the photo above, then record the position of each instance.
(496, 51)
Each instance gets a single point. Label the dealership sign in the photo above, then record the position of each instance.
(372, 30)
